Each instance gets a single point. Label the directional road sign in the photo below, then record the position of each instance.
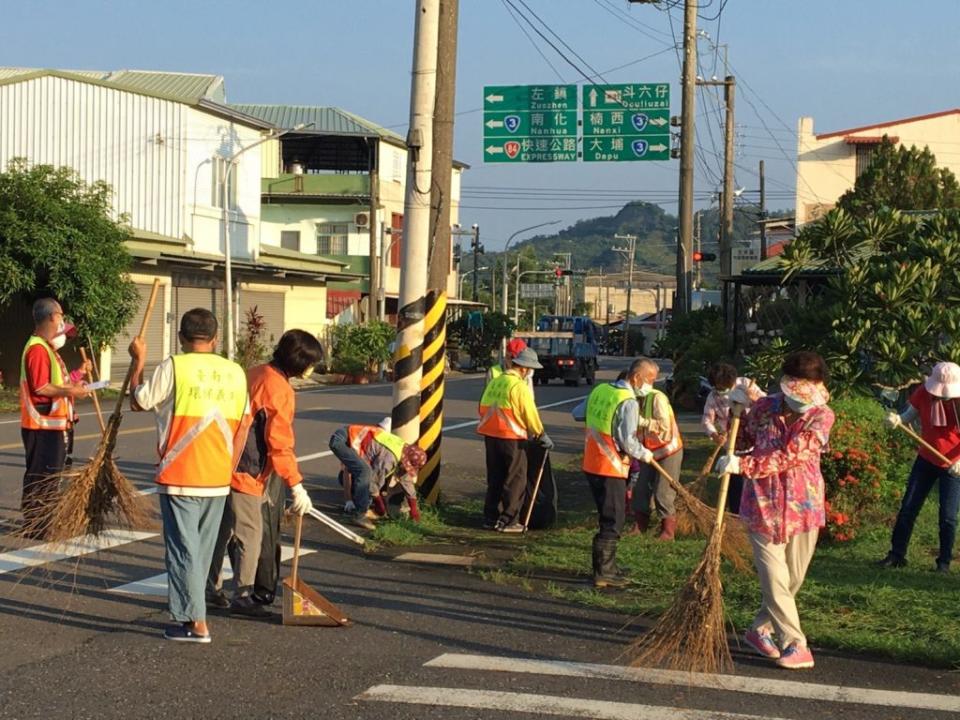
(536, 291)
(530, 123)
(626, 122)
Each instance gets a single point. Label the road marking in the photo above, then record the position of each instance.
(15, 560)
(90, 436)
(437, 559)
(447, 428)
(157, 585)
(730, 683)
(504, 702)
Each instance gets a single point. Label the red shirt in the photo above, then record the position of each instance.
(945, 439)
(37, 366)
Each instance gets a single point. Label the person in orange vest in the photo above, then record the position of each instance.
(200, 402)
(659, 433)
(611, 414)
(47, 393)
(373, 456)
(269, 451)
(508, 420)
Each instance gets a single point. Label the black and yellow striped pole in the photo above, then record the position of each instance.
(431, 392)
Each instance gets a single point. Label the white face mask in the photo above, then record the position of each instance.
(305, 375)
(60, 339)
(796, 406)
(644, 389)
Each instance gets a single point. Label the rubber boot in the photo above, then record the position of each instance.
(597, 557)
(668, 528)
(379, 506)
(641, 524)
(609, 576)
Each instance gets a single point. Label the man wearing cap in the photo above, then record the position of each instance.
(508, 420)
(935, 404)
(514, 348)
(373, 456)
(47, 393)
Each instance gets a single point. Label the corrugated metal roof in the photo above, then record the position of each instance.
(326, 120)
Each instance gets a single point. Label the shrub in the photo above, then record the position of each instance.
(251, 348)
(694, 342)
(361, 348)
(863, 469)
(480, 334)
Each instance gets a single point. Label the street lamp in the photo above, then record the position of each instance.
(516, 309)
(468, 272)
(504, 294)
(227, 250)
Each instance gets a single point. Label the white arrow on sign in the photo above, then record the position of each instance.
(491, 98)
(659, 147)
(593, 97)
(493, 149)
(494, 123)
(658, 121)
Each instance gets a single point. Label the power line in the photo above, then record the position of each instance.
(532, 42)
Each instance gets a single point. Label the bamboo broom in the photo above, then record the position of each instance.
(930, 448)
(94, 396)
(99, 489)
(699, 486)
(691, 635)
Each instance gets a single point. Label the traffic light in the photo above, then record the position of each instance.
(560, 272)
(704, 257)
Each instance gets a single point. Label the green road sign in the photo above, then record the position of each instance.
(638, 123)
(617, 148)
(632, 96)
(530, 123)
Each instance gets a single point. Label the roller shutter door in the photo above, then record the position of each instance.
(268, 304)
(119, 358)
(187, 298)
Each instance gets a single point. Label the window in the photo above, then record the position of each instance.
(332, 238)
(290, 239)
(219, 170)
(864, 157)
(397, 166)
(396, 228)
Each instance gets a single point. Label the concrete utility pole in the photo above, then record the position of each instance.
(687, 147)
(416, 224)
(630, 252)
(376, 286)
(763, 213)
(476, 252)
(726, 231)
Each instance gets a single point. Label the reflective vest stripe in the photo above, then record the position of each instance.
(603, 443)
(360, 436)
(190, 435)
(659, 448)
(61, 409)
(497, 418)
(504, 419)
(601, 455)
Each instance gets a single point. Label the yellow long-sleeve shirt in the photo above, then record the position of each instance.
(524, 407)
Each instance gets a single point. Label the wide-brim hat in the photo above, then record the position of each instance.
(528, 359)
(805, 392)
(944, 381)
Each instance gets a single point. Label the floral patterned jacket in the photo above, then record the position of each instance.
(783, 495)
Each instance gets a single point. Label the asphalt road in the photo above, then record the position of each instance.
(81, 635)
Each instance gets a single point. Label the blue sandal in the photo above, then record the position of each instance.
(184, 633)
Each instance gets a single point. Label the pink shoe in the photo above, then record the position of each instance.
(762, 643)
(796, 657)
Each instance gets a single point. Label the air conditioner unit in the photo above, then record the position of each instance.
(362, 220)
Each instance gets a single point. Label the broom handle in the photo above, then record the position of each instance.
(708, 465)
(536, 488)
(930, 448)
(96, 400)
(731, 448)
(296, 550)
(143, 331)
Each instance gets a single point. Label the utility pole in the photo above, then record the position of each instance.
(763, 213)
(408, 369)
(698, 238)
(493, 287)
(726, 232)
(475, 244)
(687, 147)
(630, 252)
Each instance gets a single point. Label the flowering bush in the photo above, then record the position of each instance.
(864, 469)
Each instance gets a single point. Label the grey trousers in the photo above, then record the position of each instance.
(781, 570)
(651, 486)
(242, 532)
(190, 526)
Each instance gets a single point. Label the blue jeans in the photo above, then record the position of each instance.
(360, 473)
(190, 529)
(923, 476)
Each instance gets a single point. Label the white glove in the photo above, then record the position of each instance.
(954, 469)
(893, 421)
(301, 504)
(643, 422)
(349, 507)
(739, 396)
(645, 456)
(728, 464)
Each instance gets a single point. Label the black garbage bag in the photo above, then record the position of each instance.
(544, 513)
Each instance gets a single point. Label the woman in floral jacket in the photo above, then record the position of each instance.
(782, 501)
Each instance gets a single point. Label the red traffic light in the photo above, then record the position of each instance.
(558, 272)
(704, 257)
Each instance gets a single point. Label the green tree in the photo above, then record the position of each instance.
(900, 178)
(361, 348)
(58, 237)
(480, 334)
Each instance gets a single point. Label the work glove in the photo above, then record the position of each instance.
(893, 420)
(301, 504)
(645, 456)
(545, 442)
(414, 508)
(954, 469)
(349, 507)
(728, 465)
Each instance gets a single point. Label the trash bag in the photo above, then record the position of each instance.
(544, 513)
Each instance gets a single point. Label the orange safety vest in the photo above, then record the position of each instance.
(61, 408)
(660, 449)
(601, 456)
(209, 407)
(497, 416)
(361, 436)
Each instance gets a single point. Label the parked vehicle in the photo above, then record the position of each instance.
(564, 356)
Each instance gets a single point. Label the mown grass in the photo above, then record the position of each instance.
(847, 602)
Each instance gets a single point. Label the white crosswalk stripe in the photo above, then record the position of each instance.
(37, 555)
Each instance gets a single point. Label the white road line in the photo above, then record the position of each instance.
(730, 683)
(448, 428)
(15, 560)
(503, 702)
(157, 585)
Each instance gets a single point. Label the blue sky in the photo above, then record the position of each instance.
(844, 63)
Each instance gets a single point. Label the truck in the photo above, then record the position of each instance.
(567, 347)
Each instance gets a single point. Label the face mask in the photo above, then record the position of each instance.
(644, 389)
(60, 339)
(723, 393)
(796, 405)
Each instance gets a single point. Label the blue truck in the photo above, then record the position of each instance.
(567, 346)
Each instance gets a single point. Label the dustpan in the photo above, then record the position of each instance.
(302, 605)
